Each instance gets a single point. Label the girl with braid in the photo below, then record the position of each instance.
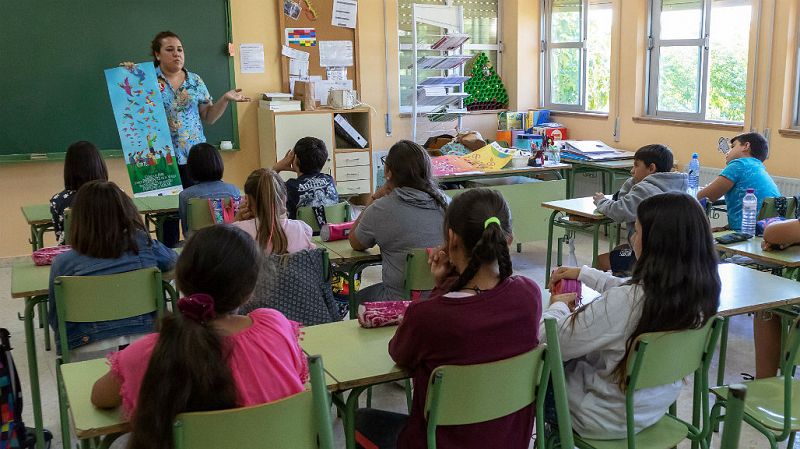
(479, 312)
(406, 213)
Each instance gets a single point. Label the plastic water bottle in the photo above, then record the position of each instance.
(694, 176)
(749, 206)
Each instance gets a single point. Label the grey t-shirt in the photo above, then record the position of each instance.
(402, 220)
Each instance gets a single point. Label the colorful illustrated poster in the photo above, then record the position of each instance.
(489, 158)
(451, 165)
(143, 130)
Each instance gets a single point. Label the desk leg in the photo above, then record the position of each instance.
(33, 369)
(549, 246)
(40, 236)
(723, 351)
(595, 243)
(32, 240)
(350, 417)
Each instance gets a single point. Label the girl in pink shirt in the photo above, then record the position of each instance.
(205, 357)
(264, 216)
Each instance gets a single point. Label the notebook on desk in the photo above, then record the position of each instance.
(593, 150)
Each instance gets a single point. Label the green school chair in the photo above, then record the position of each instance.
(772, 406)
(198, 214)
(660, 358)
(417, 272)
(67, 224)
(301, 421)
(468, 394)
(769, 210)
(335, 213)
(733, 417)
(87, 299)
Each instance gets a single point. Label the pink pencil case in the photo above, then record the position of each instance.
(335, 231)
(45, 256)
(381, 313)
(568, 286)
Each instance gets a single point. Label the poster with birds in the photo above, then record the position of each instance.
(143, 129)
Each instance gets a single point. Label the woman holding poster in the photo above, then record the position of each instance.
(186, 99)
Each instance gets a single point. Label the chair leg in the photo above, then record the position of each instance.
(714, 419)
(62, 407)
(409, 395)
(369, 397)
(790, 445)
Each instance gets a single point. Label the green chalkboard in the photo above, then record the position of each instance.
(54, 53)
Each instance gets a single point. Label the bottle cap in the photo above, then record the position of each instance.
(751, 190)
(694, 155)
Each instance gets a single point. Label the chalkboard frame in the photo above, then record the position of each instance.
(9, 156)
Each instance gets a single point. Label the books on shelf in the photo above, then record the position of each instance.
(277, 96)
(593, 150)
(280, 105)
(441, 62)
(450, 41)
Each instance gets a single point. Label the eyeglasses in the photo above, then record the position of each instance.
(724, 145)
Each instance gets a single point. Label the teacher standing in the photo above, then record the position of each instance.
(186, 99)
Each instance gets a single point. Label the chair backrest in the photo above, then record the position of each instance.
(734, 412)
(67, 225)
(88, 299)
(198, 213)
(334, 213)
(418, 273)
(467, 394)
(660, 358)
(298, 285)
(301, 421)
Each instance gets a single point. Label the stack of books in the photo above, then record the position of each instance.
(593, 150)
(279, 102)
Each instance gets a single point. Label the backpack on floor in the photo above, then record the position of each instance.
(13, 434)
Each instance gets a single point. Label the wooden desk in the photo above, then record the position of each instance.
(156, 210)
(610, 171)
(580, 207)
(357, 358)
(87, 420)
(789, 257)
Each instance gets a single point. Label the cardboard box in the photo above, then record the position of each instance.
(510, 120)
(557, 133)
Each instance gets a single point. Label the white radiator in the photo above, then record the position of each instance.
(787, 186)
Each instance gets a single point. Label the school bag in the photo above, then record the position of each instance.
(13, 434)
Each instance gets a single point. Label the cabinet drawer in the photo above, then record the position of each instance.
(352, 159)
(352, 173)
(353, 187)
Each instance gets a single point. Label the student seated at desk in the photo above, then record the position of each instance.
(744, 170)
(205, 167)
(406, 213)
(263, 215)
(107, 237)
(651, 174)
(675, 286)
(311, 188)
(205, 357)
(781, 234)
(83, 163)
(479, 312)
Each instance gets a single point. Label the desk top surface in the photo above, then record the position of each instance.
(88, 420)
(746, 290)
(40, 213)
(27, 279)
(507, 171)
(583, 207)
(614, 164)
(340, 251)
(366, 359)
(789, 257)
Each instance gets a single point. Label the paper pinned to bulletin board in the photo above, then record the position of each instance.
(143, 130)
(300, 44)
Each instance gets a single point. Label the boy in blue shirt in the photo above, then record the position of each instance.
(744, 170)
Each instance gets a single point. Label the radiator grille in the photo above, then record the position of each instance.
(787, 186)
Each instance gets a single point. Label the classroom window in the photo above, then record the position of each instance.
(698, 59)
(480, 22)
(796, 122)
(576, 54)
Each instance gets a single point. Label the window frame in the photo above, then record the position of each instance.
(466, 48)
(796, 118)
(546, 45)
(654, 47)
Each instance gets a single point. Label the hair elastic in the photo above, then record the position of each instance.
(491, 220)
(198, 307)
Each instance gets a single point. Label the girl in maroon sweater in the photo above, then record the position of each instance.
(480, 312)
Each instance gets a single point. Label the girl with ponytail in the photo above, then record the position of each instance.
(406, 213)
(264, 215)
(479, 312)
(205, 357)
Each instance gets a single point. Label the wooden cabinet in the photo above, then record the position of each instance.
(350, 167)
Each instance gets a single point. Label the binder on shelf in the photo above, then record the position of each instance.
(346, 131)
(280, 106)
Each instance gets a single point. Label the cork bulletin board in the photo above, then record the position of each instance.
(316, 15)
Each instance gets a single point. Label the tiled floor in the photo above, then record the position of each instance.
(390, 397)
